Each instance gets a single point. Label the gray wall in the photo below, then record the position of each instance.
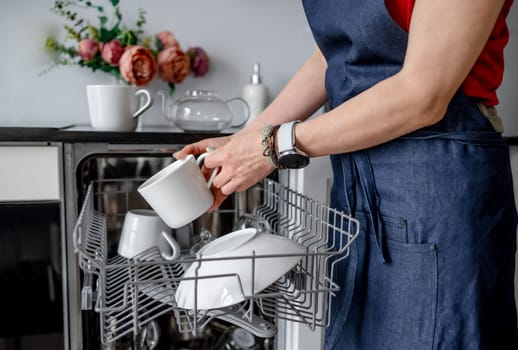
(235, 33)
(508, 92)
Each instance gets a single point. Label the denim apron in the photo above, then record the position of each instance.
(433, 266)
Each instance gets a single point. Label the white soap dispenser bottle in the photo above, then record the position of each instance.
(255, 94)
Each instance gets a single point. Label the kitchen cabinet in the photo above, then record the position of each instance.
(30, 173)
(31, 232)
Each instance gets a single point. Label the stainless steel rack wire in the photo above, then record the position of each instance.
(129, 293)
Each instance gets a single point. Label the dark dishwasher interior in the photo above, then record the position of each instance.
(112, 175)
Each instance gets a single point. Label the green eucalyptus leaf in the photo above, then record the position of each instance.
(172, 88)
(103, 20)
(118, 14)
(158, 43)
(107, 35)
(50, 44)
(93, 33)
(127, 38)
(147, 42)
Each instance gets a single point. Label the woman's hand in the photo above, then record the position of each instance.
(241, 163)
(201, 146)
(239, 158)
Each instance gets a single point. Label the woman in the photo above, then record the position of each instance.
(418, 158)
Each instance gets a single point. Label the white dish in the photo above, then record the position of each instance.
(217, 291)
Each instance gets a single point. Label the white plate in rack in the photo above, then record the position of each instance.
(223, 274)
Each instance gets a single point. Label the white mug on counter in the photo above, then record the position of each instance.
(179, 193)
(143, 229)
(116, 107)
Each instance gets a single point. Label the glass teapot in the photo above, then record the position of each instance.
(203, 110)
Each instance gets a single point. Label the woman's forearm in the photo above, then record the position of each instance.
(379, 114)
(440, 54)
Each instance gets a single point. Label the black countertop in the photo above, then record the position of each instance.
(85, 134)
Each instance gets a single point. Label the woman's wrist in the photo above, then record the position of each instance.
(269, 144)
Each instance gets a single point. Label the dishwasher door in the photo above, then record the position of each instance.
(125, 301)
(117, 174)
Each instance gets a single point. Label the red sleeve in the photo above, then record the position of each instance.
(487, 73)
(401, 11)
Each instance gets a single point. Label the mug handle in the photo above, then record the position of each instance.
(214, 172)
(175, 247)
(145, 107)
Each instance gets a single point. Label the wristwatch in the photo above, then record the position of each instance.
(289, 156)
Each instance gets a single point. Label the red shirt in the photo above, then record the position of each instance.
(487, 72)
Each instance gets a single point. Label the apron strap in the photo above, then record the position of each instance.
(482, 137)
(368, 185)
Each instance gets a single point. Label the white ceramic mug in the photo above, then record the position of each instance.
(116, 107)
(179, 193)
(143, 229)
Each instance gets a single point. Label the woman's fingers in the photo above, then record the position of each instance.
(189, 149)
(219, 197)
(201, 146)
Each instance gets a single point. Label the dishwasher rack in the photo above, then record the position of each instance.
(129, 293)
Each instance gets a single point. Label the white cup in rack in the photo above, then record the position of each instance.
(142, 230)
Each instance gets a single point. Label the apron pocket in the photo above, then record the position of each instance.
(405, 289)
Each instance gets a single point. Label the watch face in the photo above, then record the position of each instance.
(293, 160)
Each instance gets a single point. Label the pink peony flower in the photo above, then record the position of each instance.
(167, 39)
(137, 65)
(173, 65)
(199, 61)
(111, 52)
(87, 49)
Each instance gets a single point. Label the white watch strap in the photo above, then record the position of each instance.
(286, 136)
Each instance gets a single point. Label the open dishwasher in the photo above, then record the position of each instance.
(131, 303)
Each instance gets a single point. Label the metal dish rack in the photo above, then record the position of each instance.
(129, 293)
